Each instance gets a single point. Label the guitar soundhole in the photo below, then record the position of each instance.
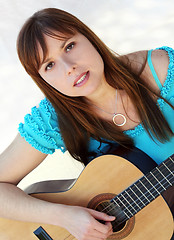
(107, 208)
(121, 227)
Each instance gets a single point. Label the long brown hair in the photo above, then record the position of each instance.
(76, 120)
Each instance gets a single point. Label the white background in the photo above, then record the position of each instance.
(124, 25)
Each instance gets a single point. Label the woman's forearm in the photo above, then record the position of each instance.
(16, 204)
(79, 221)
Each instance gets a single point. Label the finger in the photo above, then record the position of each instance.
(110, 231)
(102, 228)
(101, 216)
(99, 232)
(109, 225)
(97, 235)
(95, 238)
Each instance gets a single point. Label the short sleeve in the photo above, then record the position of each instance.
(41, 130)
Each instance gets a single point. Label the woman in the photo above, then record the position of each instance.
(93, 98)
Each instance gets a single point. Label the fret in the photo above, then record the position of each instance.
(146, 189)
(129, 204)
(164, 177)
(138, 198)
(170, 163)
(164, 171)
(168, 169)
(151, 192)
(114, 200)
(132, 200)
(152, 185)
(158, 182)
(124, 207)
(172, 158)
(142, 194)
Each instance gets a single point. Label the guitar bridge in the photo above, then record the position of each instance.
(42, 234)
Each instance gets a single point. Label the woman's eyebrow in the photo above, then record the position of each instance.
(61, 46)
(64, 43)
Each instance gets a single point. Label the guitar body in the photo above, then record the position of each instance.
(103, 178)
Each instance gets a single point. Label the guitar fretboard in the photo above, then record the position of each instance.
(145, 190)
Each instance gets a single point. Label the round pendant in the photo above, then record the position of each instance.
(119, 115)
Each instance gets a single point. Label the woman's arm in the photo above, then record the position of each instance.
(16, 162)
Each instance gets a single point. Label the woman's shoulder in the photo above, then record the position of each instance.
(135, 60)
(140, 65)
(160, 63)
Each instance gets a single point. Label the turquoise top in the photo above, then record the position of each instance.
(41, 130)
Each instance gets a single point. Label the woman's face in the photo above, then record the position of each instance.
(72, 66)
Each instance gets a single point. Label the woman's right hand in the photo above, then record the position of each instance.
(83, 223)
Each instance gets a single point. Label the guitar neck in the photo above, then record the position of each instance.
(145, 190)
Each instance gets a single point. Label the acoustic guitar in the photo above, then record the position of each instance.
(113, 185)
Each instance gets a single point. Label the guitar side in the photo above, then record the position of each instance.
(106, 174)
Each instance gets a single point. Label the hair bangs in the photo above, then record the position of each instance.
(60, 35)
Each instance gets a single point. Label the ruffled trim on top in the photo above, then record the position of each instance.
(169, 81)
(52, 119)
(134, 132)
(50, 115)
(48, 108)
(40, 129)
(33, 142)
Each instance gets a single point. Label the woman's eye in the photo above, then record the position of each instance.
(49, 66)
(70, 46)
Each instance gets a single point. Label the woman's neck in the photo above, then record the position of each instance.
(104, 97)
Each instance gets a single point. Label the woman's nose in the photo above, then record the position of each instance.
(71, 70)
(69, 67)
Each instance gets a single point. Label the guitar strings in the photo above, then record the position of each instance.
(133, 202)
(122, 201)
(151, 177)
(159, 173)
(113, 208)
(145, 193)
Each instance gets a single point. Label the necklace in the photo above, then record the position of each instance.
(115, 115)
(118, 114)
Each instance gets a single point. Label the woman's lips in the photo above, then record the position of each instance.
(82, 79)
